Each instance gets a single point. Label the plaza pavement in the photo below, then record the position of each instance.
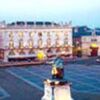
(26, 83)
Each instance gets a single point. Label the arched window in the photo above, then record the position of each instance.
(11, 44)
(21, 46)
(30, 43)
(21, 34)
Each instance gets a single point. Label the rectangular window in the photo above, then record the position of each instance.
(93, 40)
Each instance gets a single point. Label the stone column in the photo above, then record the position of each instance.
(6, 56)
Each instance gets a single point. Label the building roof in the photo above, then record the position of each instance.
(84, 31)
(31, 23)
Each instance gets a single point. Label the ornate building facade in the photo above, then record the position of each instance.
(24, 39)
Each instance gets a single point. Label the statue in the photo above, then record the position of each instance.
(58, 68)
(57, 88)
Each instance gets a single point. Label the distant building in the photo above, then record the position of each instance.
(86, 41)
(91, 44)
(22, 40)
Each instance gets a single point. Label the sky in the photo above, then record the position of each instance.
(79, 12)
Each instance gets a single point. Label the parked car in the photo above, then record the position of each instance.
(98, 59)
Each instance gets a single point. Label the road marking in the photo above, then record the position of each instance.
(42, 70)
(84, 91)
(3, 93)
(87, 72)
(25, 80)
(82, 83)
(41, 76)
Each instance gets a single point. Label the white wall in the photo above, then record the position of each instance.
(86, 43)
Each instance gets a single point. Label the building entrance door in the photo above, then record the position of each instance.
(94, 51)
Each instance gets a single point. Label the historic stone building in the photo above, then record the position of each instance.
(22, 40)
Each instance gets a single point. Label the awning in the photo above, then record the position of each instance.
(93, 45)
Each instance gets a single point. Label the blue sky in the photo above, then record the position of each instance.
(80, 12)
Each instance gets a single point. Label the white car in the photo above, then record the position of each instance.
(98, 59)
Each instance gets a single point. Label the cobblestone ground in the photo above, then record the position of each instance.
(26, 83)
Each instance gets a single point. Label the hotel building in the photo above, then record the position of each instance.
(23, 40)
